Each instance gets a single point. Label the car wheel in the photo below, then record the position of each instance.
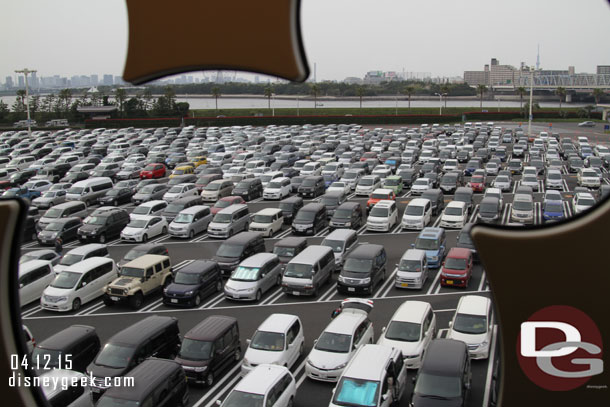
(197, 300)
(209, 379)
(230, 232)
(136, 300)
(278, 280)
(259, 295)
(145, 238)
(191, 234)
(108, 302)
(76, 305)
(103, 238)
(316, 290)
(237, 355)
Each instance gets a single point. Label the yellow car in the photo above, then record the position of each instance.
(182, 170)
(199, 161)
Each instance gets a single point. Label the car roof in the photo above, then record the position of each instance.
(345, 323)
(369, 362)
(456, 204)
(261, 379)
(268, 211)
(411, 311)
(209, 328)
(459, 253)
(257, 259)
(418, 202)
(445, 357)
(84, 266)
(277, 323)
(64, 338)
(473, 304)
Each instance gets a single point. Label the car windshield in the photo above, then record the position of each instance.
(229, 250)
(222, 218)
(296, 270)
(284, 251)
(149, 168)
(49, 194)
(70, 259)
(581, 201)
(350, 175)
(115, 356)
(470, 324)
(95, 220)
(329, 200)
(477, 179)
(426, 244)
(263, 218)
(378, 212)
(488, 207)
(174, 208)
(356, 392)
(502, 179)
(305, 216)
(343, 214)
(53, 213)
(421, 182)
(403, 331)
(54, 226)
(285, 206)
(414, 210)
(333, 342)
(66, 279)
(132, 272)
(186, 278)
(274, 184)
(380, 196)
(148, 189)
(195, 350)
(358, 265)
(308, 182)
(271, 341)
(429, 385)
(336, 245)
(213, 186)
(453, 263)
(141, 210)
(410, 265)
(523, 205)
(366, 182)
(47, 355)
(553, 207)
(175, 189)
(138, 223)
(76, 190)
(243, 399)
(183, 218)
(242, 273)
(453, 211)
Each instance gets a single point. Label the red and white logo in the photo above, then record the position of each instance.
(560, 348)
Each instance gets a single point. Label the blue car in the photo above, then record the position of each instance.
(329, 179)
(553, 211)
(471, 167)
(21, 193)
(432, 241)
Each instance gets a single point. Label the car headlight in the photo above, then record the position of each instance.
(200, 369)
(190, 292)
(341, 366)
(366, 280)
(341, 279)
(348, 224)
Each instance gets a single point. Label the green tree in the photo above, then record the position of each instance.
(481, 89)
(216, 94)
(4, 110)
(147, 99)
(561, 92)
(34, 104)
(314, 89)
(360, 93)
(597, 95)
(48, 102)
(170, 94)
(585, 111)
(444, 90)
(521, 91)
(268, 91)
(19, 105)
(408, 90)
(120, 95)
(65, 98)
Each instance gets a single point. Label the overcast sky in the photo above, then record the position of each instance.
(343, 37)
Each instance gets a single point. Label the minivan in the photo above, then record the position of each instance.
(63, 387)
(472, 324)
(248, 189)
(172, 210)
(312, 187)
(191, 221)
(310, 219)
(78, 284)
(253, 277)
(74, 347)
(150, 208)
(230, 220)
(269, 385)
(63, 210)
(209, 349)
(436, 198)
(105, 224)
(192, 283)
(449, 358)
(290, 206)
(156, 382)
(418, 214)
(433, 242)
(489, 210)
(341, 241)
(237, 248)
(34, 277)
(267, 221)
(464, 194)
(308, 271)
(412, 270)
(152, 336)
(288, 247)
(89, 190)
(64, 229)
(363, 269)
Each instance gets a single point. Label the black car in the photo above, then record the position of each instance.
(248, 189)
(116, 196)
(408, 177)
(192, 283)
(64, 229)
(464, 241)
(312, 186)
(75, 177)
(290, 206)
(103, 225)
(22, 176)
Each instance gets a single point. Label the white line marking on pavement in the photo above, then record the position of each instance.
(212, 391)
(217, 299)
(433, 284)
(483, 277)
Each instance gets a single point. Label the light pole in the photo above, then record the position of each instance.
(273, 104)
(25, 72)
(440, 98)
(298, 98)
(529, 122)
(396, 114)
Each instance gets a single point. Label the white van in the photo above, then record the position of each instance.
(410, 329)
(266, 385)
(79, 284)
(412, 271)
(308, 271)
(472, 324)
(267, 221)
(418, 214)
(150, 208)
(34, 277)
(21, 162)
(89, 190)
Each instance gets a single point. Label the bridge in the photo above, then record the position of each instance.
(576, 82)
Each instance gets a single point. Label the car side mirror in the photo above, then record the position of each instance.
(383, 329)
(450, 324)
(412, 244)
(84, 283)
(467, 386)
(248, 341)
(218, 402)
(384, 397)
(21, 285)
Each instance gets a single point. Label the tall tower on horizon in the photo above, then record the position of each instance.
(538, 58)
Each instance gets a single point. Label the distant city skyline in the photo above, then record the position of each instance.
(344, 38)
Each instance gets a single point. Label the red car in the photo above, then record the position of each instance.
(457, 268)
(477, 183)
(226, 202)
(367, 155)
(154, 170)
(378, 195)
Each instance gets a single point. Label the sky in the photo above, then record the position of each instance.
(342, 37)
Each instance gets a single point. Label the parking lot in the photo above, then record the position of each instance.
(315, 313)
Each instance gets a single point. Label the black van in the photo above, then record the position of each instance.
(237, 248)
(364, 268)
(248, 189)
(287, 248)
(193, 282)
(105, 225)
(209, 349)
(347, 215)
(290, 207)
(310, 219)
(156, 382)
(447, 358)
(436, 198)
(312, 186)
(153, 336)
(172, 210)
(73, 348)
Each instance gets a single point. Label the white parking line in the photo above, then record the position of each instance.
(91, 309)
(437, 221)
(388, 280)
(256, 200)
(541, 186)
(31, 311)
(160, 239)
(284, 233)
(214, 301)
(275, 296)
(329, 293)
(149, 307)
(490, 366)
(474, 214)
(396, 229)
(483, 279)
(408, 194)
(278, 291)
(362, 229)
(296, 372)
(508, 213)
(29, 245)
(438, 287)
(322, 232)
(433, 284)
(213, 390)
(515, 185)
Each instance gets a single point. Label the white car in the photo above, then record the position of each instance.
(38, 185)
(149, 208)
(418, 214)
(421, 185)
(582, 201)
(383, 171)
(279, 340)
(333, 350)
(49, 198)
(383, 216)
(472, 324)
(492, 168)
(502, 182)
(367, 184)
(144, 228)
(336, 168)
(266, 385)
(339, 186)
(180, 191)
(588, 177)
(410, 329)
(234, 171)
(455, 215)
(496, 193)
(34, 277)
(451, 164)
(311, 168)
(258, 171)
(267, 221)
(530, 181)
(277, 188)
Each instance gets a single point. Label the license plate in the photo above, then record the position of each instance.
(296, 293)
(404, 285)
(95, 389)
(449, 282)
(173, 300)
(114, 298)
(351, 289)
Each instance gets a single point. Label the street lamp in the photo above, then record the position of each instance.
(25, 72)
(273, 104)
(529, 123)
(298, 98)
(440, 97)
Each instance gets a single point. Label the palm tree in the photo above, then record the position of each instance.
(481, 90)
(444, 91)
(561, 92)
(216, 94)
(65, 95)
(360, 92)
(521, 90)
(315, 90)
(268, 94)
(597, 95)
(409, 91)
(120, 95)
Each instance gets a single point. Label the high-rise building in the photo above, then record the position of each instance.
(33, 82)
(94, 80)
(108, 80)
(603, 69)
(118, 80)
(21, 81)
(9, 82)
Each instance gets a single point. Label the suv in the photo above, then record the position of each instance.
(142, 276)
(107, 223)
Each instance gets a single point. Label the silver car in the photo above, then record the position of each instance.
(50, 198)
(149, 193)
(253, 277)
